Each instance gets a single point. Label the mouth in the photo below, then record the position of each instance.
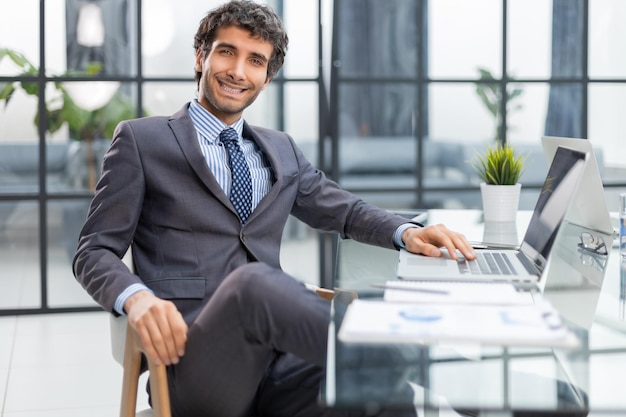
(230, 89)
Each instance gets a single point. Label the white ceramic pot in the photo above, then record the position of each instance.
(500, 202)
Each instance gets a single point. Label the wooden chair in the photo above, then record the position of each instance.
(127, 351)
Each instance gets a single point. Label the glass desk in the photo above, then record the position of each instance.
(587, 289)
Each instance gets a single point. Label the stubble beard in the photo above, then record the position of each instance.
(224, 105)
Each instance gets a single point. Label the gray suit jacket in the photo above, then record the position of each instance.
(157, 194)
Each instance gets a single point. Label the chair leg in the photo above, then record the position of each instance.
(130, 381)
(159, 391)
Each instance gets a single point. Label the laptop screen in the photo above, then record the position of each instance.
(554, 199)
(589, 208)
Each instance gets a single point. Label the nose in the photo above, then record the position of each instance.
(237, 70)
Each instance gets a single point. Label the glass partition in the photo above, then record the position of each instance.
(302, 113)
(19, 255)
(463, 36)
(65, 219)
(606, 124)
(19, 32)
(303, 38)
(607, 39)
(165, 98)
(528, 49)
(167, 36)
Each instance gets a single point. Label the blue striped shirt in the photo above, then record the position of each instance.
(209, 128)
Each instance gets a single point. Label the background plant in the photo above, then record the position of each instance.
(83, 124)
(491, 96)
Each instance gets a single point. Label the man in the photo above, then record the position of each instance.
(209, 298)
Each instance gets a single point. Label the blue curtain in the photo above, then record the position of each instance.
(565, 100)
(377, 44)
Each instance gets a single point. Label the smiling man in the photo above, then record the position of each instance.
(202, 198)
(233, 72)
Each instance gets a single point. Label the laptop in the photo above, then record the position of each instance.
(589, 208)
(526, 264)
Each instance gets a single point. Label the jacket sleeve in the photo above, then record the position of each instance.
(111, 222)
(323, 204)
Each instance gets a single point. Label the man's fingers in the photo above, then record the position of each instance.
(162, 331)
(173, 329)
(459, 242)
(179, 332)
(171, 337)
(151, 340)
(429, 240)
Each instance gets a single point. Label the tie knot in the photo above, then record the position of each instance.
(228, 135)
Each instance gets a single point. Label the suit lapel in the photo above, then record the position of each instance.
(187, 138)
(266, 145)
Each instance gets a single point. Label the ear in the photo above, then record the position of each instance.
(267, 81)
(199, 60)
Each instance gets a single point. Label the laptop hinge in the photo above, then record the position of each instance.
(528, 264)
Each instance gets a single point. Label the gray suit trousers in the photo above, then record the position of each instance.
(258, 348)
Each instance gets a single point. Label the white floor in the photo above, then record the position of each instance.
(59, 365)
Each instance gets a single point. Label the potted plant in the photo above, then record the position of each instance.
(500, 169)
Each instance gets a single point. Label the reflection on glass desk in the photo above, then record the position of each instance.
(588, 290)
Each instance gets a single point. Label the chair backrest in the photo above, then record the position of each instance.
(118, 337)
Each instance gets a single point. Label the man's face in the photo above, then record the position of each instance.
(234, 72)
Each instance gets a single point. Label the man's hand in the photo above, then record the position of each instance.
(160, 326)
(429, 241)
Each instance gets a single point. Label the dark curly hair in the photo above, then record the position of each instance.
(260, 20)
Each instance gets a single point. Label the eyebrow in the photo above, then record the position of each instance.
(231, 46)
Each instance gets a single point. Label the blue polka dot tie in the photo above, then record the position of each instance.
(241, 188)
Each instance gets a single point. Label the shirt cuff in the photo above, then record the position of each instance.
(397, 236)
(126, 294)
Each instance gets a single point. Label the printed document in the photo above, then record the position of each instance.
(378, 321)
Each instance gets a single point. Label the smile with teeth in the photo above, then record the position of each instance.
(230, 89)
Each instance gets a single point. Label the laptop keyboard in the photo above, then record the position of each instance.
(487, 263)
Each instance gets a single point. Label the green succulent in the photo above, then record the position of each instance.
(499, 165)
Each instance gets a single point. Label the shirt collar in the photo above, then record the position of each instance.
(209, 126)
